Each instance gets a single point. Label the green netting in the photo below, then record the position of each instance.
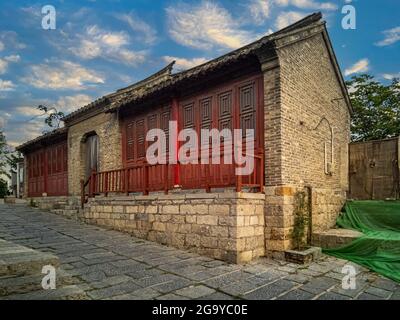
(379, 248)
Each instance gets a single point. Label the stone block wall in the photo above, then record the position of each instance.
(106, 126)
(227, 226)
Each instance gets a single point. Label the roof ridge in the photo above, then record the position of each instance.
(164, 71)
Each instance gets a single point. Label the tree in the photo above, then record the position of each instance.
(3, 188)
(376, 108)
(53, 119)
(4, 151)
(8, 158)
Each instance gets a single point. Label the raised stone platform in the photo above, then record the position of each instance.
(19, 260)
(224, 225)
(334, 238)
(21, 275)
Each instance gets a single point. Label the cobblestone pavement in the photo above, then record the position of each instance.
(108, 264)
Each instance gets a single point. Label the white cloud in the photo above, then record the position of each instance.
(65, 104)
(391, 76)
(96, 42)
(61, 74)
(205, 25)
(29, 111)
(71, 103)
(183, 63)
(18, 132)
(4, 119)
(259, 10)
(13, 58)
(307, 4)
(360, 66)
(2, 46)
(287, 18)
(4, 62)
(10, 39)
(6, 85)
(144, 31)
(391, 36)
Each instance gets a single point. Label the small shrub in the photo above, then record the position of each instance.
(3, 188)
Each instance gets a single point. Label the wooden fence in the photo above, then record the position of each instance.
(374, 169)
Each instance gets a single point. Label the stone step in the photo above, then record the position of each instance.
(23, 284)
(17, 260)
(334, 238)
(70, 292)
(70, 207)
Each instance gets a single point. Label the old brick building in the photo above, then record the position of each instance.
(286, 86)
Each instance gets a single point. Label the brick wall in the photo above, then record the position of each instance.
(107, 128)
(227, 226)
(299, 88)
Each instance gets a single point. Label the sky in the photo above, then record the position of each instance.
(100, 46)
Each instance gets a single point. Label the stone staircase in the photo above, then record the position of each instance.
(68, 208)
(21, 275)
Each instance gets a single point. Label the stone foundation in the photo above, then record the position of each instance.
(235, 227)
(279, 214)
(227, 226)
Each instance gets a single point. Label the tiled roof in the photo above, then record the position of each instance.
(165, 79)
(140, 86)
(134, 95)
(42, 138)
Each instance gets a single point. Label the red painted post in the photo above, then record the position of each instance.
(46, 171)
(126, 181)
(208, 189)
(166, 176)
(174, 136)
(106, 184)
(93, 183)
(238, 182)
(146, 180)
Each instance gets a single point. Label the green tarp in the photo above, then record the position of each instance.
(379, 248)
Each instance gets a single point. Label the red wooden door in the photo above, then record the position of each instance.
(135, 147)
(48, 171)
(234, 106)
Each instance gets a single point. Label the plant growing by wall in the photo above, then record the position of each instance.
(300, 220)
(3, 188)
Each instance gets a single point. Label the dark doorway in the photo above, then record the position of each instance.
(92, 154)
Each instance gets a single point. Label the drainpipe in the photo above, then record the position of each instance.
(309, 197)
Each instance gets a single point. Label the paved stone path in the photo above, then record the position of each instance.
(108, 264)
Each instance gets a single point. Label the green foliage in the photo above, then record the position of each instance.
(3, 188)
(7, 157)
(300, 220)
(4, 151)
(13, 159)
(32, 203)
(53, 119)
(376, 108)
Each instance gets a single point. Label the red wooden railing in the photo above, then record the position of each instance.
(138, 179)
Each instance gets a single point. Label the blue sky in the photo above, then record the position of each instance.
(100, 46)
